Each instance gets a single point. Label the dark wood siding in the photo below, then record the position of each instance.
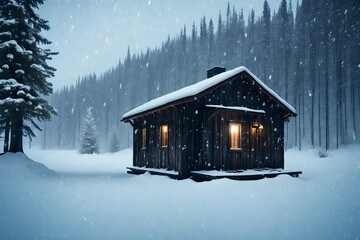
(259, 148)
(155, 156)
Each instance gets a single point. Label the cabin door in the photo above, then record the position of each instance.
(257, 160)
(235, 160)
(235, 145)
(164, 158)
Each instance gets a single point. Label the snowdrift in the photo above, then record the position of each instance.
(18, 166)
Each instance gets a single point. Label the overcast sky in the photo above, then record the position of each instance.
(91, 36)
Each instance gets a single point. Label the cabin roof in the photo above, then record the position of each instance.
(198, 88)
(240, 109)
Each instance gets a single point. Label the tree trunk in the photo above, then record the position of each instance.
(319, 112)
(59, 130)
(312, 87)
(326, 44)
(327, 138)
(16, 143)
(6, 138)
(44, 140)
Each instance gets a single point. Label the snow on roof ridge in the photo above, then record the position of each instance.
(194, 89)
(263, 85)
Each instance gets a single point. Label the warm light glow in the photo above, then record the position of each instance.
(164, 136)
(165, 128)
(234, 129)
(143, 142)
(234, 135)
(257, 126)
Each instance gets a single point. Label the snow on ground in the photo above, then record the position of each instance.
(92, 197)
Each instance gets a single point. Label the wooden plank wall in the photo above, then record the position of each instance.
(263, 148)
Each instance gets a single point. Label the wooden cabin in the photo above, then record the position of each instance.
(230, 121)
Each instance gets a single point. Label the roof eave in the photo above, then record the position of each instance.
(183, 100)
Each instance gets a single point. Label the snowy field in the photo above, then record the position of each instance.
(92, 197)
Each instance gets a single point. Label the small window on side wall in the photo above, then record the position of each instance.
(143, 138)
(164, 135)
(235, 132)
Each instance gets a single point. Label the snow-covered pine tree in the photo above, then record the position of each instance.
(114, 143)
(23, 71)
(89, 143)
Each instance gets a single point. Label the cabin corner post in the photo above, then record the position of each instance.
(282, 144)
(182, 166)
(182, 172)
(134, 143)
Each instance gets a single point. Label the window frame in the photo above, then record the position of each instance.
(235, 136)
(164, 136)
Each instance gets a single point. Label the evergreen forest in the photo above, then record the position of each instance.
(310, 57)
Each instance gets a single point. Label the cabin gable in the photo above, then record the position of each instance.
(211, 127)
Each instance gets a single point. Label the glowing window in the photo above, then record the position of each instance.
(164, 134)
(143, 138)
(235, 132)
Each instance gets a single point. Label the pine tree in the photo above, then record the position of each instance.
(211, 43)
(23, 71)
(220, 41)
(203, 44)
(114, 143)
(194, 55)
(89, 143)
(266, 39)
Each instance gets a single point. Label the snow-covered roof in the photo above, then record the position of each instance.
(241, 109)
(193, 90)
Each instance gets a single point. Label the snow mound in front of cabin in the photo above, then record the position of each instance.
(18, 165)
(71, 161)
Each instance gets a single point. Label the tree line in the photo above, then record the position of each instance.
(310, 57)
